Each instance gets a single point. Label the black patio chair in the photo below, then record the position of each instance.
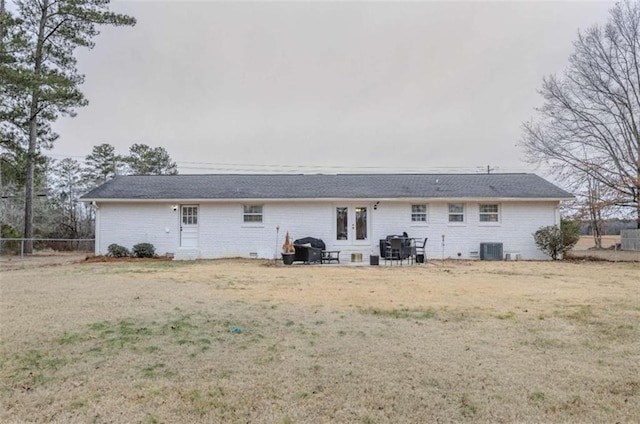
(421, 252)
(395, 250)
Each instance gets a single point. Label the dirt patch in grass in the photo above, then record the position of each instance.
(254, 341)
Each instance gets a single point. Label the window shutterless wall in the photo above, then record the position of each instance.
(225, 234)
(222, 233)
(128, 224)
(517, 221)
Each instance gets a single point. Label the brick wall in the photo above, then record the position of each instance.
(222, 232)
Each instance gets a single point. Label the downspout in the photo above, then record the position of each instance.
(97, 229)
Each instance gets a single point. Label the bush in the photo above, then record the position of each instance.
(556, 241)
(570, 233)
(7, 231)
(118, 251)
(144, 250)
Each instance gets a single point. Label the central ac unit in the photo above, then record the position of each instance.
(491, 251)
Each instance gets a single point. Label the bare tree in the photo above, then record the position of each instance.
(594, 208)
(595, 204)
(590, 121)
(67, 186)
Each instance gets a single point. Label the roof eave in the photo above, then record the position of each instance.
(329, 199)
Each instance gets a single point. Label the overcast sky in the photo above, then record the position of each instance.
(324, 86)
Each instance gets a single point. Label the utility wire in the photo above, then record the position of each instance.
(285, 168)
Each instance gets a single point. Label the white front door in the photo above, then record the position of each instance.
(352, 224)
(189, 226)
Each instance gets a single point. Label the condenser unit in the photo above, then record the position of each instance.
(491, 251)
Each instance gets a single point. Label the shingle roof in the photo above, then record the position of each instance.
(320, 186)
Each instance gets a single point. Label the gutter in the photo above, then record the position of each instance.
(332, 200)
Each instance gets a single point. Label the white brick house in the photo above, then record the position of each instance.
(215, 216)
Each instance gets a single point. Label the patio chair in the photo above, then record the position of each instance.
(395, 250)
(421, 254)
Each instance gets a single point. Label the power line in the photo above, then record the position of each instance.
(284, 168)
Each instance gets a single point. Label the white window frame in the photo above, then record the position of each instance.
(189, 215)
(250, 213)
(456, 213)
(416, 214)
(495, 214)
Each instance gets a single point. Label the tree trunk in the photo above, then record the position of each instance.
(28, 208)
(594, 206)
(599, 227)
(2, 9)
(597, 236)
(33, 133)
(637, 190)
(29, 185)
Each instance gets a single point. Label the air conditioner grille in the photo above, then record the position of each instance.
(491, 251)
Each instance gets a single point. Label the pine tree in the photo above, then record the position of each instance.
(145, 160)
(45, 70)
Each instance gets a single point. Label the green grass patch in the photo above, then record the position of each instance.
(181, 325)
(77, 404)
(32, 368)
(546, 343)
(467, 408)
(159, 369)
(72, 338)
(103, 341)
(583, 314)
(537, 396)
(99, 326)
(151, 419)
(203, 402)
(404, 313)
(508, 315)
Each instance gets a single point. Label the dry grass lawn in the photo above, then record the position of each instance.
(243, 341)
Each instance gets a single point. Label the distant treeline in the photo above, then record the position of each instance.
(611, 227)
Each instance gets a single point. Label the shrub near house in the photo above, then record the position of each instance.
(140, 250)
(117, 251)
(556, 241)
(144, 250)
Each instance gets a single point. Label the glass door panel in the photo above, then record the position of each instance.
(352, 224)
(342, 223)
(361, 223)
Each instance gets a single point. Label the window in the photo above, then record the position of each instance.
(489, 213)
(361, 223)
(418, 213)
(342, 223)
(456, 212)
(252, 213)
(190, 215)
